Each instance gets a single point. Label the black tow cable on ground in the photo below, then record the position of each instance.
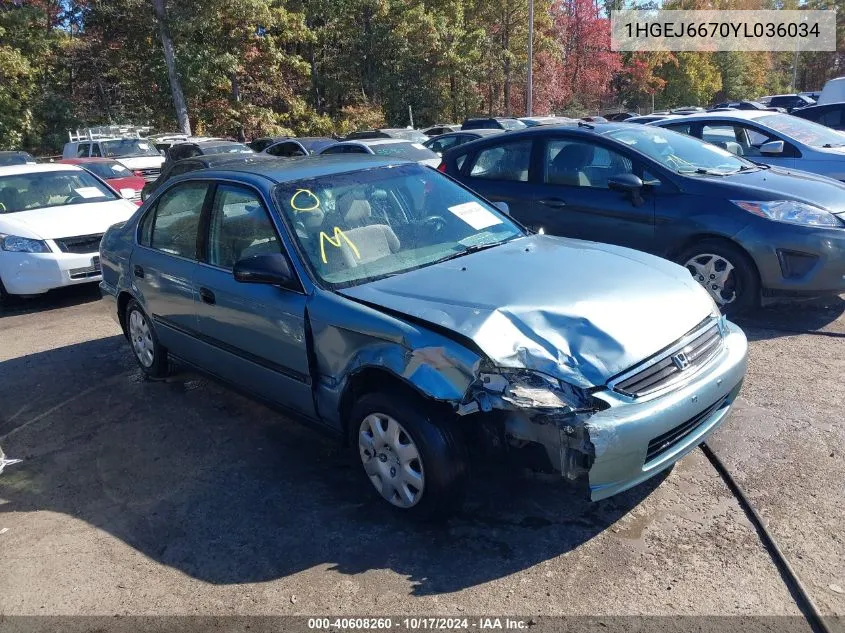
(799, 592)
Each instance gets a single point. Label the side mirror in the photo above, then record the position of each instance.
(127, 194)
(265, 269)
(503, 207)
(772, 147)
(628, 183)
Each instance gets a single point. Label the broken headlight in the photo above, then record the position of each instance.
(534, 390)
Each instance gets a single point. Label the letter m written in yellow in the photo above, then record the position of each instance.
(335, 241)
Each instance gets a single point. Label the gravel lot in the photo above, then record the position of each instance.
(181, 497)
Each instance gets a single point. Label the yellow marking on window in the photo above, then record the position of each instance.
(338, 235)
(2, 207)
(306, 192)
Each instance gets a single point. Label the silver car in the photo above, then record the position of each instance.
(386, 303)
(771, 138)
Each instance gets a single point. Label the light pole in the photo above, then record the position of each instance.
(529, 97)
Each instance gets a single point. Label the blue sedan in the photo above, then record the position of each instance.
(382, 301)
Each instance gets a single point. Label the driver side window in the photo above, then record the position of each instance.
(579, 164)
(239, 227)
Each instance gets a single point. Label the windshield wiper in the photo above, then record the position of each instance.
(467, 251)
(829, 145)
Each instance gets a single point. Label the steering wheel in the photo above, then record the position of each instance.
(73, 198)
(436, 222)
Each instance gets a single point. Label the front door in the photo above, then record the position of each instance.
(165, 262)
(572, 197)
(251, 334)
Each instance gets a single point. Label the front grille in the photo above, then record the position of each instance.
(149, 174)
(665, 442)
(80, 244)
(675, 366)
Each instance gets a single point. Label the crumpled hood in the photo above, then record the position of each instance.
(580, 311)
(66, 221)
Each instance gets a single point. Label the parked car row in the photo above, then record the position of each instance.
(746, 231)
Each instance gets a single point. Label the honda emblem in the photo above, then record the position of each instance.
(681, 361)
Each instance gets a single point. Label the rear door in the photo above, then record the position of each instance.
(572, 197)
(501, 172)
(165, 263)
(251, 334)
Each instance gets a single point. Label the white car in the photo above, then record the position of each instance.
(397, 148)
(137, 154)
(771, 138)
(52, 217)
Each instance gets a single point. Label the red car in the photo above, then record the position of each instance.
(116, 175)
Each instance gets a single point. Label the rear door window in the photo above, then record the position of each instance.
(506, 161)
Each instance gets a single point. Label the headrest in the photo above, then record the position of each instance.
(574, 156)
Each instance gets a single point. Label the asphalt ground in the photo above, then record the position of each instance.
(184, 498)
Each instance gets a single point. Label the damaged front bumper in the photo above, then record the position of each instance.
(624, 440)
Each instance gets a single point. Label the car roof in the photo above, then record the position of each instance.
(299, 168)
(374, 141)
(730, 115)
(16, 170)
(584, 129)
(213, 160)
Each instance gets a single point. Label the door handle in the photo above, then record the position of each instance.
(138, 272)
(207, 296)
(555, 203)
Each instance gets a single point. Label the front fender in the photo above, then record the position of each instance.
(349, 337)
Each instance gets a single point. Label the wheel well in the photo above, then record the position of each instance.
(674, 253)
(372, 379)
(122, 301)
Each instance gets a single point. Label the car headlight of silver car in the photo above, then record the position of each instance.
(790, 211)
(15, 244)
(528, 389)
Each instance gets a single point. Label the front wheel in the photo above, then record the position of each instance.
(725, 271)
(415, 462)
(150, 354)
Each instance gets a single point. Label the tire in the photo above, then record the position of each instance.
(148, 352)
(734, 291)
(431, 485)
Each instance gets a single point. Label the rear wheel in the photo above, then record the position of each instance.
(725, 271)
(150, 354)
(414, 461)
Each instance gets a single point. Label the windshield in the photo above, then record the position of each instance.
(108, 169)
(50, 189)
(232, 148)
(803, 131)
(512, 124)
(410, 135)
(128, 147)
(411, 151)
(681, 153)
(364, 225)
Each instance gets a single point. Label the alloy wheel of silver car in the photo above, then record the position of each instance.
(716, 274)
(391, 460)
(141, 338)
